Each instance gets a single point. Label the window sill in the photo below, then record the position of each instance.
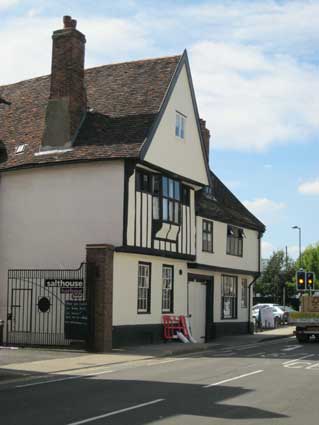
(208, 252)
(143, 312)
(235, 255)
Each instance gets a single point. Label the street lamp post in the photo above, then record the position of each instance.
(300, 258)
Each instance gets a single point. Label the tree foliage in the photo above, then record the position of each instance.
(310, 260)
(279, 271)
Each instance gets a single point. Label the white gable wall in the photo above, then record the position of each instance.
(49, 214)
(181, 156)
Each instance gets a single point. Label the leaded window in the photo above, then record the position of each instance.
(171, 198)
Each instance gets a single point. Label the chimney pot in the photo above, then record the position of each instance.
(69, 22)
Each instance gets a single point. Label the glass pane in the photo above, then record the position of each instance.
(182, 129)
(176, 217)
(171, 188)
(156, 185)
(177, 194)
(171, 211)
(165, 186)
(165, 209)
(156, 208)
(177, 126)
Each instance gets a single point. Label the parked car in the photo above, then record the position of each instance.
(286, 309)
(278, 313)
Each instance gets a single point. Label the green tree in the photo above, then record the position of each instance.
(280, 271)
(310, 261)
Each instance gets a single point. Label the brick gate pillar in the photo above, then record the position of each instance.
(99, 260)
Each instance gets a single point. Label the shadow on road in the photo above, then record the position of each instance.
(74, 400)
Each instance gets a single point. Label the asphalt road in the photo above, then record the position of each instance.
(268, 383)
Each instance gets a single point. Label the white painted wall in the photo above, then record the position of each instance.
(125, 289)
(249, 260)
(49, 214)
(184, 157)
(242, 312)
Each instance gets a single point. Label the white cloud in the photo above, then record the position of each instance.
(310, 187)
(265, 209)
(251, 61)
(6, 4)
(252, 100)
(27, 51)
(267, 248)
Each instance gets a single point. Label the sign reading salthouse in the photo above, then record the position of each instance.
(64, 283)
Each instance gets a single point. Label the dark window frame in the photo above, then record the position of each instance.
(207, 229)
(230, 296)
(171, 295)
(140, 181)
(235, 241)
(146, 310)
(171, 200)
(244, 292)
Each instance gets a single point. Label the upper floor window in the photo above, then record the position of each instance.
(180, 125)
(167, 289)
(235, 237)
(143, 182)
(207, 236)
(171, 200)
(185, 195)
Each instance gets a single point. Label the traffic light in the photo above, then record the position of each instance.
(301, 280)
(310, 278)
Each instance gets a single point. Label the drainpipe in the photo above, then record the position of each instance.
(254, 280)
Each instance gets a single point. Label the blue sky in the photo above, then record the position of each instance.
(256, 75)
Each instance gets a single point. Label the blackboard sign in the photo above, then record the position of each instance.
(76, 320)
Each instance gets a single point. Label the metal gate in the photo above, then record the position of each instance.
(47, 307)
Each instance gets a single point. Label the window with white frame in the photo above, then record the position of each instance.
(167, 289)
(244, 293)
(144, 288)
(229, 297)
(180, 125)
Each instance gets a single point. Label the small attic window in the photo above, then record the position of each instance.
(180, 125)
(21, 148)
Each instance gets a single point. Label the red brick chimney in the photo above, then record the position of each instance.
(67, 102)
(205, 135)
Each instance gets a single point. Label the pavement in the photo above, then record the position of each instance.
(27, 363)
(267, 382)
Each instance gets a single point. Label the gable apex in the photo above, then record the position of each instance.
(182, 67)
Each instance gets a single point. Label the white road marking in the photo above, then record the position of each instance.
(315, 365)
(298, 365)
(165, 361)
(293, 347)
(49, 381)
(232, 379)
(116, 412)
(300, 358)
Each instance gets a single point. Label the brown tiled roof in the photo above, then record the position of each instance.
(123, 98)
(222, 205)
